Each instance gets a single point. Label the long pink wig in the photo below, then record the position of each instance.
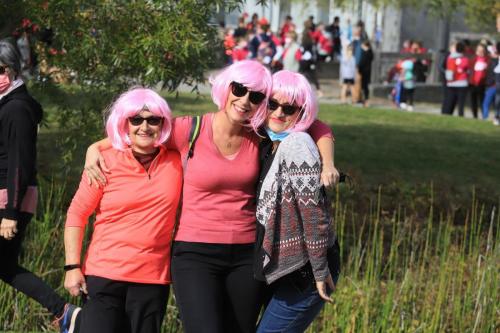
(295, 88)
(249, 73)
(130, 104)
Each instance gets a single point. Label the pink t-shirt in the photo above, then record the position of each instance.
(218, 201)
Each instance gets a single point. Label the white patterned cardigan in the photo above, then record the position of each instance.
(293, 208)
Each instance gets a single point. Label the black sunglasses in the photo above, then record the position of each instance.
(138, 120)
(3, 69)
(240, 90)
(287, 109)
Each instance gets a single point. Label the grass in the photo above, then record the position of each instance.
(420, 247)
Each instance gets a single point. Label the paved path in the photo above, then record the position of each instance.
(331, 95)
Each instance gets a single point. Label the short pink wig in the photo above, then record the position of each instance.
(250, 73)
(130, 104)
(295, 88)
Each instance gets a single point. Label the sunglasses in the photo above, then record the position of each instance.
(287, 109)
(138, 120)
(3, 69)
(240, 90)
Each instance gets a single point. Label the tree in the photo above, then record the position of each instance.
(117, 43)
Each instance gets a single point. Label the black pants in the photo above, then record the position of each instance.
(453, 96)
(20, 278)
(476, 98)
(407, 95)
(365, 84)
(117, 306)
(214, 287)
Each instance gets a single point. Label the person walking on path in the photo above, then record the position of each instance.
(125, 276)
(294, 229)
(457, 80)
(291, 52)
(20, 115)
(347, 73)
(365, 70)
(407, 78)
(309, 59)
(477, 79)
(491, 85)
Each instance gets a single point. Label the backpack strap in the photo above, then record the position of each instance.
(194, 133)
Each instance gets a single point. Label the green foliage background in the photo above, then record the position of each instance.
(119, 43)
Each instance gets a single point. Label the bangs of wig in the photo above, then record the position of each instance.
(295, 88)
(250, 73)
(131, 103)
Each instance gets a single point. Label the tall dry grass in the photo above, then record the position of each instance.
(400, 274)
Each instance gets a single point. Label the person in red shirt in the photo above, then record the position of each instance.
(287, 26)
(125, 275)
(240, 51)
(457, 80)
(477, 80)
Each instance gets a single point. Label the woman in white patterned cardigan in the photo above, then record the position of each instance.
(296, 249)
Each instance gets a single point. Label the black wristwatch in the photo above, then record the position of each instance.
(71, 267)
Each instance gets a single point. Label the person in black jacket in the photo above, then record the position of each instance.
(365, 69)
(20, 115)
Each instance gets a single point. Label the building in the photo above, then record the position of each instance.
(394, 25)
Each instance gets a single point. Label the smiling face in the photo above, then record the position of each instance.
(277, 121)
(144, 135)
(240, 109)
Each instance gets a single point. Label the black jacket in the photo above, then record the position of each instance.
(365, 62)
(20, 115)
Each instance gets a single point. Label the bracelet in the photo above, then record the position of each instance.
(71, 267)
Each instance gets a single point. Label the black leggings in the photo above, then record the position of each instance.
(123, 307)
(454, 96)
(365, 84)
(476, 98)
(407, 95)
(214, 287)
(20, 278)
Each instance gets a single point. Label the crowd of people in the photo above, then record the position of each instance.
(253, 235)
(464, 72)
(474, 74)
(305, 52)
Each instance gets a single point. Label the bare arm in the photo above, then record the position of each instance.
(329, 174)
(74, 280)
(95, 166)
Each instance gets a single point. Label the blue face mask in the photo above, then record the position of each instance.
(276, 136)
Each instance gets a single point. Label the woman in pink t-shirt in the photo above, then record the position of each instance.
(212, 256)
(126, 271)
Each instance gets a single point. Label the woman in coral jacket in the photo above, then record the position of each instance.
(126, 270)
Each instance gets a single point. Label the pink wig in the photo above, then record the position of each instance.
(130, 104)
(249, 73)
(295, 88)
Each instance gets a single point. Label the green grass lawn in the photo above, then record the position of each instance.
(404, 153)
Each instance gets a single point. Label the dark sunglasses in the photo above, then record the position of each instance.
(240, 90)
(138, 120)
(287, 109)
(3, 69)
